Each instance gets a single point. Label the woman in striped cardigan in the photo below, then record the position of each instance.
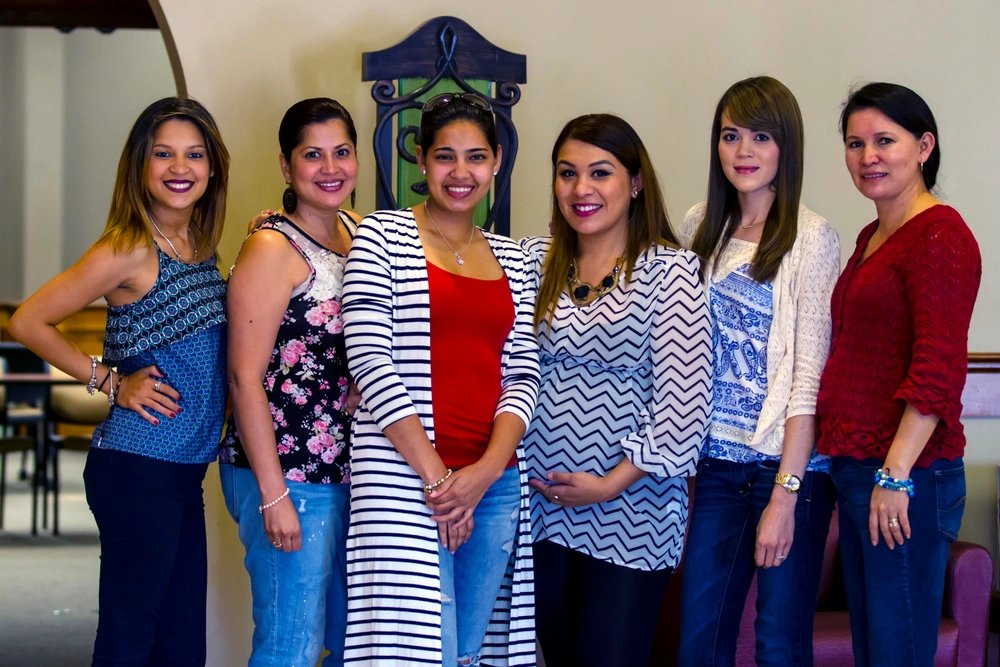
(438, 558)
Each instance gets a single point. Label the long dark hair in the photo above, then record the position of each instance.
(903, 107)
(129, 220)
(648, 223)
(760, 103)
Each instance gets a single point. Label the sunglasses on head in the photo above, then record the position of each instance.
(444, 99)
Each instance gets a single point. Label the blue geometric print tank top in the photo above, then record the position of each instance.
(179, 327)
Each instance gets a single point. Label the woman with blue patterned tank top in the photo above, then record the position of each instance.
(164, 373)
(763, 498)
(286, 457)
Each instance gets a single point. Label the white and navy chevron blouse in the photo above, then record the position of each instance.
(628, 375)
(393, 580)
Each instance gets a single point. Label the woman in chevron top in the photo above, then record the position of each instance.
(624, 331)
(437, 315)
(763, 497)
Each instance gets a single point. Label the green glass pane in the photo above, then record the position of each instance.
(408, 174)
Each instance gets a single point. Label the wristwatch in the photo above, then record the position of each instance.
(788, 482)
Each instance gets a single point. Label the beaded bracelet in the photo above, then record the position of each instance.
(433, 486)
(92, 383)
(883, 479)
(267, 506)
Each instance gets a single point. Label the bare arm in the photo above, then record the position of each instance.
(261, 285)
(776, 529)
(119, 276)
(914, 431)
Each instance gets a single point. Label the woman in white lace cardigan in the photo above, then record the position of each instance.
(763, 496)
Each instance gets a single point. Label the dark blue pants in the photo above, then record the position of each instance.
(895, 596)
(590, 613)
(719, 566)
(151, 518)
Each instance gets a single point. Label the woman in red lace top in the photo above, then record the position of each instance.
(890, 397)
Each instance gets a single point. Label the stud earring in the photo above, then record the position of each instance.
(635, 193)
(921, 163)
(423, 171)
(496, 172)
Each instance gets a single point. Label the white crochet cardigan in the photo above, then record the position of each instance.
(799, 339)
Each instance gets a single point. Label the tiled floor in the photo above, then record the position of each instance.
(48, 585)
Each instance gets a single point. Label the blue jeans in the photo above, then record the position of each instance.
(151, 518)
(894, 596)
(729, 499)
(299, 598)
(471, 578)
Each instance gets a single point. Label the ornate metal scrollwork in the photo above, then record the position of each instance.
(444, 49)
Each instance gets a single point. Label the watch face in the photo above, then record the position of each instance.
(788, 481)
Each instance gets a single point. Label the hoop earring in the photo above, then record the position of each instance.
(289, 201)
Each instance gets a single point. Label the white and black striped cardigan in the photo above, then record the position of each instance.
(394, 599)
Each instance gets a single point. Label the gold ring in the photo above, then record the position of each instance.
(894, 522)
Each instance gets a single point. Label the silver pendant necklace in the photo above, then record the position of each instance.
(169, 243)
(458, 255)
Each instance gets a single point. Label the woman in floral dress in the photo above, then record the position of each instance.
(285, 460)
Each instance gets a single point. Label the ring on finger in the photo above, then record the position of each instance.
(555, 497)
(156, 386)
(894, 522)
(277, 545)
(779, 557)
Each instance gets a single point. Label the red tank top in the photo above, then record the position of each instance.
(470, 322)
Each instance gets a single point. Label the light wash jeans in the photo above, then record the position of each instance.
(471, 578)
(299, 598)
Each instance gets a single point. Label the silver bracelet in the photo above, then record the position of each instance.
(113, 387)
(92, 383)
(267, 506)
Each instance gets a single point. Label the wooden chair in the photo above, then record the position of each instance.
(71, 405)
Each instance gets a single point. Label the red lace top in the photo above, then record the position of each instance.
(900, 335)
(470, 321)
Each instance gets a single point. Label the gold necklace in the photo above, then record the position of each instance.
(169, 243)
(458, 255)
(582, 293)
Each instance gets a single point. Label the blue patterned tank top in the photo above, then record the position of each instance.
(178, 326)
(306, 380)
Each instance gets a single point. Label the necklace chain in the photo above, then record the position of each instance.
(582, 293)
(751, 225)
(170, 243)
(458, 255)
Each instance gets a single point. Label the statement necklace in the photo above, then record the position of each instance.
(169, 243)
(458, 255)
(582, 293)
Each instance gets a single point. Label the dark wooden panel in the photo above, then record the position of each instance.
(68, 14)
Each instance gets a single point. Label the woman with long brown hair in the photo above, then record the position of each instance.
(623, 327)
(763, 496)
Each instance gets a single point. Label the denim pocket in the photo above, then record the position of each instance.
(950, 488)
